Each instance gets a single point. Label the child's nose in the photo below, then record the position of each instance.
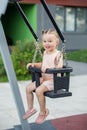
(47, 43)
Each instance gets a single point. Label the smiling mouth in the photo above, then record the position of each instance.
(47, 47)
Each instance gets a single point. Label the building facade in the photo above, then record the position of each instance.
(70, 16)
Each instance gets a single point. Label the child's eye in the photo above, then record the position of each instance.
(44, 41)
(50, 41)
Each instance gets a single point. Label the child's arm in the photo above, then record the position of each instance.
(38, 65)
(59, 61)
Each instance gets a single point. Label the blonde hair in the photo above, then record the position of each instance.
(51, 31)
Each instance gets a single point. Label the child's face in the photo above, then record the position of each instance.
(49, 42)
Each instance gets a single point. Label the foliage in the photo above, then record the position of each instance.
(21, 55)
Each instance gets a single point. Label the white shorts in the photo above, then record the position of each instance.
(49, 84)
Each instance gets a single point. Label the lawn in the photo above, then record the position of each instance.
(80, 55)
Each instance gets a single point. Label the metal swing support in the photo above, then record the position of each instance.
(10, 70)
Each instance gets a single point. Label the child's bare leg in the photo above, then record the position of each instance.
(42, 102)
(41, 98)
(30, 99)
(29, 95)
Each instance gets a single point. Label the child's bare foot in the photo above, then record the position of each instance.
(29, 113)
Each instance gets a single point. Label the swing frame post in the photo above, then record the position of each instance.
(11, 73)
(3, 6)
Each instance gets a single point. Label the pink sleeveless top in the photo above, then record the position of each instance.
(48, 62)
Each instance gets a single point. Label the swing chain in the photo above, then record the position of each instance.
(58, 60)
(64, 54)
(36, 51)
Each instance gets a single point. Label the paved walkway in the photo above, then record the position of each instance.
(61, 107)
(79, 68)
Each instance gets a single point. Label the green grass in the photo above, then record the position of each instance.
(80, 55)
(19, 78)
(3, 79)
(28, 77)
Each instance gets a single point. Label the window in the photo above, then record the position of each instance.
(71, 19)
(80, 20)
(60, 17)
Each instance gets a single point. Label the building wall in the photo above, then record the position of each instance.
(75, 41)
(15, 27)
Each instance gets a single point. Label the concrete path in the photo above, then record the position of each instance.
(79, 68)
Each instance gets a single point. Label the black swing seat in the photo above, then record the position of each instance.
(61, 83)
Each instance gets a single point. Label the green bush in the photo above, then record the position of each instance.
(21, 55)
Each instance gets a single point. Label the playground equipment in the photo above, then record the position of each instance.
(10, 70)
(3, 5)
(61, 84)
